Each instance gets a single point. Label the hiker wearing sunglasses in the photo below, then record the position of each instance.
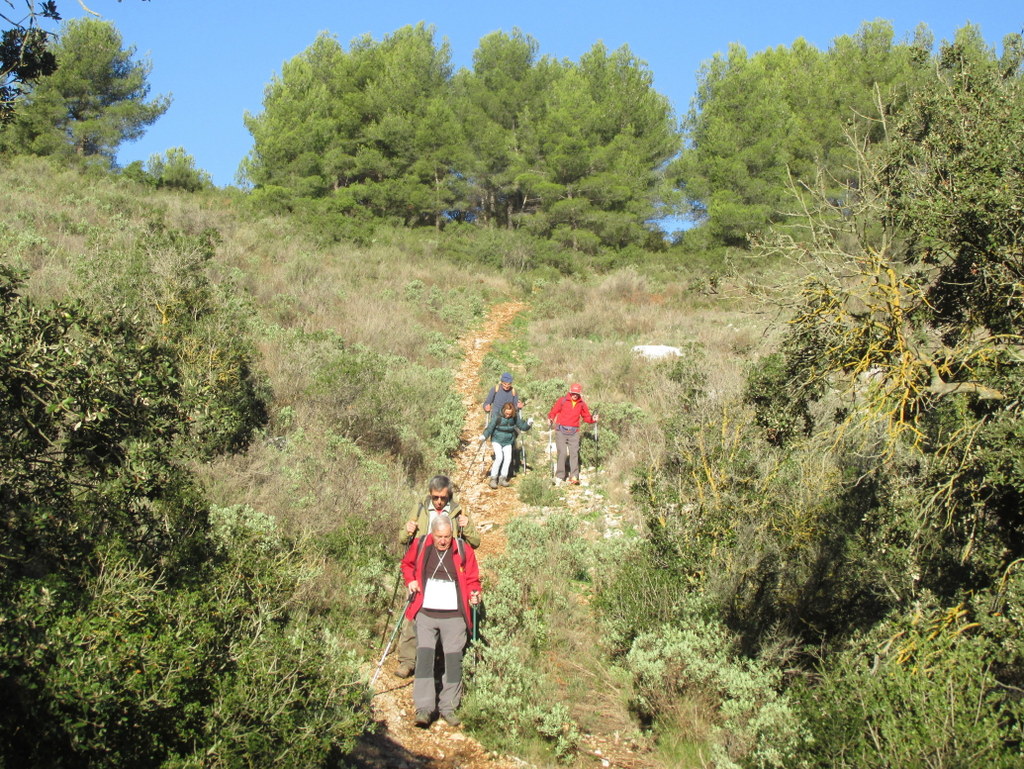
(440, 501)
(564, 418)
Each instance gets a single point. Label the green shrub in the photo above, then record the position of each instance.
(637, 590)
(385, 402)
(176, 169)
(139, 628)
(773, 388)
(508, 696)
(536, 489)
(920, 689)
(691, 678)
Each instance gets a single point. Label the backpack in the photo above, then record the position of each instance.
(455, 510)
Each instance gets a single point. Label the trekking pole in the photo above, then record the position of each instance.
(597, 443)
(479, 454)
(552, 453)
(391, 603)
(387, 649)
(475, 624)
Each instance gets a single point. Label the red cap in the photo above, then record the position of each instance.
(576, 388)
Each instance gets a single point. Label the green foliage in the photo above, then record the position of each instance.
(958, 143)
(763, 126)
(91, 407)
(687, 678)
(370, 127)
(388, 404)
(94, 101)
(774, 387)
(637, 590)
(177, 170)
(136, 630)
(164, 277)
(601, 143)
(535, 488)
(511, 250)
(136, 172)
(25, 56)
(920, 689)
(506, 701)
(921, 336)
(570, 153)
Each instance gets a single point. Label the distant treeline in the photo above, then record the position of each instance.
(586, 153)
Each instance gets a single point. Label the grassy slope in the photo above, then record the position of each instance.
(314, 312)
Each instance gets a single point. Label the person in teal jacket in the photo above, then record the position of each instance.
(502, 429)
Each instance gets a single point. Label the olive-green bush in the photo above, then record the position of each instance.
(141, 628)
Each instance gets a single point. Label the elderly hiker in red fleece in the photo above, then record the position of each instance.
(442, 576)
(564, 418)
(440, 500)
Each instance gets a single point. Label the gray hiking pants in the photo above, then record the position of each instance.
(568, 446)
(452, 632)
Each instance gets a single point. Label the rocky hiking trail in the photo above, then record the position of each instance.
(397, 743)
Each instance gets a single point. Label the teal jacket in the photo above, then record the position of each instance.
(503, 430)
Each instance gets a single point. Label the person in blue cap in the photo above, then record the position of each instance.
(502, 393)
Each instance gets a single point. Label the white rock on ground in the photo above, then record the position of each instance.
(657, 351)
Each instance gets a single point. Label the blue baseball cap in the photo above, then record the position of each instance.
(506, 378)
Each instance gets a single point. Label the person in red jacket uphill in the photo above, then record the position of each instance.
(564, 418)
(444, 581)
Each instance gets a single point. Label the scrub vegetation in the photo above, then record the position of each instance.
(217, 406)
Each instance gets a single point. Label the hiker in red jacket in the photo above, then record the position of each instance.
(564, 418)
(444, 581)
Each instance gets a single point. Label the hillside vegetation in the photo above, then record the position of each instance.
(218, 406)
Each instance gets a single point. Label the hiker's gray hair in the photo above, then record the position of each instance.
(439, 521)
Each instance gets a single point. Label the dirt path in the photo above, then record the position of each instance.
(397, 743)
(491, 508)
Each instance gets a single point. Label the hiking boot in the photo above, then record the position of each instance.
(503, 481)
(422, 718)
(574, 481)
(559, 481)
(493, 482)
(405, 670)
(451, 719)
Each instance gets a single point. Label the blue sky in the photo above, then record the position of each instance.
(214, 57)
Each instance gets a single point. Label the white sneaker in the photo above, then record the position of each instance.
(559, 481)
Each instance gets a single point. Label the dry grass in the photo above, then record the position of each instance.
(585, 331)
(313, 482)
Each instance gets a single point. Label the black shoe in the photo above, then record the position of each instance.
(422, 718)
(451, 719)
